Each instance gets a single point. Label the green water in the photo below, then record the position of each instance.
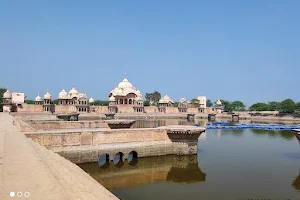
(230, 164)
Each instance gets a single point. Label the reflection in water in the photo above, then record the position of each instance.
(287, 135)
(296, 182)
(146, 170)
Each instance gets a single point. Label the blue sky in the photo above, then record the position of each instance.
(233, 50)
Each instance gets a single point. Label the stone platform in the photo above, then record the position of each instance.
(26, 166)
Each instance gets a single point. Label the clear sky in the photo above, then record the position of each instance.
(233, 50)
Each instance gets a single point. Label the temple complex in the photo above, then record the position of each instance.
(11, 101)
(182, 105)
(164, 102)
(219, 107)
(125, 97)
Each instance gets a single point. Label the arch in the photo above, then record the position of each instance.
(103, 159)
(132, 158)
(118, 158)
(130, 101)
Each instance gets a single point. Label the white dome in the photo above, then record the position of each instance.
(182, 100)
(138, 98)
(7, 95)
(166, 99)
(125, 84)
(219, 102)
(73, 92)
(63, 95)
(38, 98)
(91, 100)
(47, 96)
(124, 88)
(82, 95)
(112, 98)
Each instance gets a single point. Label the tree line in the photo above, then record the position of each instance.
(285, 106)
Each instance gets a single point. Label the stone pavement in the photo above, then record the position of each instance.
(26, 166)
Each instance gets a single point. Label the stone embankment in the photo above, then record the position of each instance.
(26, 166)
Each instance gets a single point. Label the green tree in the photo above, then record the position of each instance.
(2, 90)
(194, 101)
(297, 108)
(29, 101)
(153, 97)
(273, 106)
(55, 101)
(259, 107)
(101, 103)
(287, 106)
(236, 106)
(146, 103)
(176, 104)
(209, 103)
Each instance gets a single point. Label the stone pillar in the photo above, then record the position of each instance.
(235, 117)
(211, 117)
(185, 139)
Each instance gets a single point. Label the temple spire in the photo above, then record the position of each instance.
(125, 75)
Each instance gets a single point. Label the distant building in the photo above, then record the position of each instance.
(12, 100)
(182, 105)
(164, 102)
(73, 97)
(125, 95)
(219, 107)
(202, 103)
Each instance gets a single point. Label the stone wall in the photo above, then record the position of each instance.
(151, 109)
(65, 108)
(55, 125)
(30, 108)
(29, 116)
(23, 126)
(87, 146)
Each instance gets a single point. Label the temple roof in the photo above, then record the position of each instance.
(166, 99)
(124, 88)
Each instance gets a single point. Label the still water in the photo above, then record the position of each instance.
(230, 164)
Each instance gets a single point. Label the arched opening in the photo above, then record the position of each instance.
(133, 158)
(130, 101)
(118, 158)
(103, 160)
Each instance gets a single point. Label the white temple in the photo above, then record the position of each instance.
(125, 94)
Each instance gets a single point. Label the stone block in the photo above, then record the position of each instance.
(86, 138)
(71, 139)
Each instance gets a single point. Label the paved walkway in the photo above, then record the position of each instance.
(26, 166)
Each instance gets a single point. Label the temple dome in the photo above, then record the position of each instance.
(47, 96)
(73, 92)
(219, 102)
(182, 100)
(82, 95)
(166, 99)
(38, 98)
(125, 84)
(138, 98)
(7, 95)
(124, 88)
(63, 95)
(112, 98)
(91, 100)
